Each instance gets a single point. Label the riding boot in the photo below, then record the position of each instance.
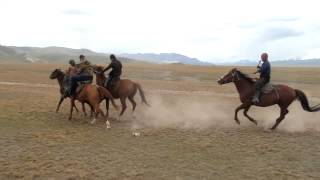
(256, 96)
(67, 93)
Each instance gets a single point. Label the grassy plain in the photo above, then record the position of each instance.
(187, 133)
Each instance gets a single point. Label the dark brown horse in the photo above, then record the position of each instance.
(59, 75)
(123, 89)
(281, 95)
(92, 95)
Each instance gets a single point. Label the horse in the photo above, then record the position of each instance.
(59, 75)
(281, 95)
(92, 95)
(122, 90)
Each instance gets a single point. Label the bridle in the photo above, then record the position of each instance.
(235, 75)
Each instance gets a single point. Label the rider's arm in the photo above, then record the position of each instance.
(107, 68)
(258, 70)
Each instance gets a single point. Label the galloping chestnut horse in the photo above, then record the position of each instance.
(92, 95)
(281, 95)
(123, 89)
(59, 75)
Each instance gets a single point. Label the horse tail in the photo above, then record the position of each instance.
(141, 92)
(305, 103)
(104, 93)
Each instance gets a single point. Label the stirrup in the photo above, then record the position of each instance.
(255, 100)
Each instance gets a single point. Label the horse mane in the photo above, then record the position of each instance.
(245, 76)
(98, 68)
(60, 72)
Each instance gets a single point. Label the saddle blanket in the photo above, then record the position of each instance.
(267, 88)
(82, 84)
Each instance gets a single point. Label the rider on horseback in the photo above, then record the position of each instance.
(115, 73)
(84, 73)
(265, 71)
(72, 70)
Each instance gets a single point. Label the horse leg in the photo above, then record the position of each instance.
(84, 109)
(74, 105)
(92, 110)
(124, 105)
(71, 108)
(283, 113)
(60, 101)
(96, 112)
(134, 104)
(108, 125)
(245, 113)
(107, 107)
(242, 106)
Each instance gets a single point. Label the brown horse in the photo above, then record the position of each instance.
(123, 89)
(281, 95)
(92, 95)
(59, 75)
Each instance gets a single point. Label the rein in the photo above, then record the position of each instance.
(235, 75)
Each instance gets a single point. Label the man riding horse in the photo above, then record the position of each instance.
(115, 73)
(265, 71)
(84, 73)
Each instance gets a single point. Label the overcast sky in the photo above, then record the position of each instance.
(211, 30)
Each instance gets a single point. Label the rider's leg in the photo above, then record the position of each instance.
(109, 83)
(78, 78)
(258, 86)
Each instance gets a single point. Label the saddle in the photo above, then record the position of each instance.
(81, 85)
(111, 83)
(268, 88)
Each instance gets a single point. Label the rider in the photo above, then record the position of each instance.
(84, 73)
(72, 70)
(116, 72)
(265, 71)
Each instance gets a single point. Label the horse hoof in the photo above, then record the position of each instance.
(108, 125)
(267, 130)
(93, 121)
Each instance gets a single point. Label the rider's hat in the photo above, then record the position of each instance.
(112, 57)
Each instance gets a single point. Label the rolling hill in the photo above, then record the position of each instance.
(165, 58)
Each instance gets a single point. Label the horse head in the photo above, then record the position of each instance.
(55, 74)
(100, 77)
(97, 69)
(231, 76)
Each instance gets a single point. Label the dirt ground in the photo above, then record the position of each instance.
(187, 133)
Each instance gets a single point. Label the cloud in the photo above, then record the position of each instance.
(269, 22)
(273, 34)
(284, 19)
(75, 12)
(80, 29)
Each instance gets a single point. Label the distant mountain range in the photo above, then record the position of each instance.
(50, 55)
(62, 55)
(165, 58)
(10, 54)
(290, 62)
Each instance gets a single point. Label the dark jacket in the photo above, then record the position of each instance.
(116, 67)
(265, 70)
(85, 68)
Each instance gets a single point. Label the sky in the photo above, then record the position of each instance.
(210, 30)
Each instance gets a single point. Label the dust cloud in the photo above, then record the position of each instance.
(201, 113)
(184, 113)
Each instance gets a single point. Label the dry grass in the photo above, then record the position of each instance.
(189, 133)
